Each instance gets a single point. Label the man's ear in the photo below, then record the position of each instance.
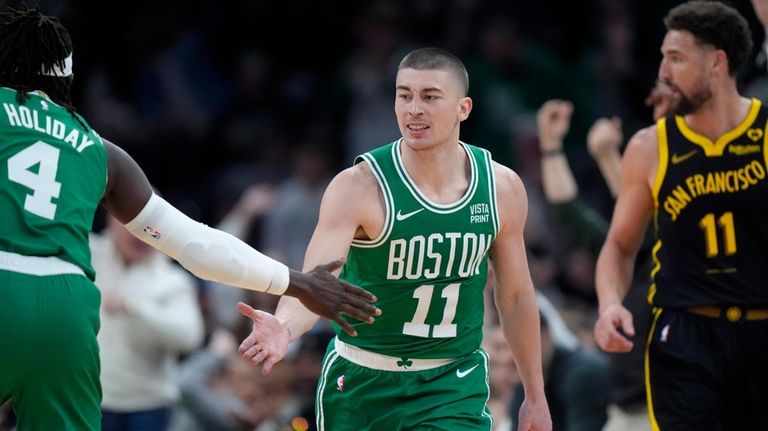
(465, 107)
(719, 62)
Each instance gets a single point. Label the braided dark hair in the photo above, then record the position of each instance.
(29, 43)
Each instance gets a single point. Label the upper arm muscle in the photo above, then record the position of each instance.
(128, 189)
(351, 205)
(635, 201)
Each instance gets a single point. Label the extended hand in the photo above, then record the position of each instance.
(268, 340)
(327, 296)
(607, 327)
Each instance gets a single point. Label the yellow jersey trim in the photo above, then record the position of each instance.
(651, 414)
(715, 149)
(661, 171)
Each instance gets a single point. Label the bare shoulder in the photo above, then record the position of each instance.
(357, 181)
(512, 199)
(508, 183)
(641, 157)
(354, 198)
(644, 141)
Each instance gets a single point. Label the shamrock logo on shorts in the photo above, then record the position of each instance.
(404, 362)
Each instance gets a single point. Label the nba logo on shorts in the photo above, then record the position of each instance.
(664, 334)
(340, 383)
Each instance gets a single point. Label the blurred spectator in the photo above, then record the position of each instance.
(289, 223)
(221, 299)
(363, 83)
(149, 316)
(502, 376)
(222, 392)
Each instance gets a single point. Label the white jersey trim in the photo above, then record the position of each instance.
(377, 361)
(37, 265)
(388, 204)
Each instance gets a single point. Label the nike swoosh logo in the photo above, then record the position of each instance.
(681, 158)
(400, 216)
(461, 374)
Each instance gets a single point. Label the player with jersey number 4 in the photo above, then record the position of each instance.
(54, 172)
(418, 220)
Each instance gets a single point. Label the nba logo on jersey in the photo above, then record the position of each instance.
(340, 383)
(664, 334)
(152, 232)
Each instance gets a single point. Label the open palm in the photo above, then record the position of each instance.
(268, 341)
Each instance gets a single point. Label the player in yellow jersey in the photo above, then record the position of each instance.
(701, 176)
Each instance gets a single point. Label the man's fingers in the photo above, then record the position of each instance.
(248, 311)
(250, 351)
(345, 325)
(258, 358)
(611, 340)
(362, 311)
(268, 363)
(628, 327)
(247, 343)
(358, 291)
(619, 343)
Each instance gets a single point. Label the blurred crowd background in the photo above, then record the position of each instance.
(240, 112)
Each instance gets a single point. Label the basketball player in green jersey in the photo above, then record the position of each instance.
(701, 175)
(54, 171)
(418, 220)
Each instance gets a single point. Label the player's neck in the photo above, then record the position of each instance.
(725, 110)
(441, 172)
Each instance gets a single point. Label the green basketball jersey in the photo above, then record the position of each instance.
(52, 176)
(428, 267)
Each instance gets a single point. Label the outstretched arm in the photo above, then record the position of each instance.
(516, 299)
(352, 207)
(214, 255)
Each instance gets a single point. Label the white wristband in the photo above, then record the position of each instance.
(206, 252)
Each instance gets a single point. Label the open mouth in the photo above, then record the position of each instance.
(417, 127)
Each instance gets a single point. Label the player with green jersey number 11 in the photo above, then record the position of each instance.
(418, 220)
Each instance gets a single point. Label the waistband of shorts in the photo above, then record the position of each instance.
(381, 362)
(37, 265)
(731, 313)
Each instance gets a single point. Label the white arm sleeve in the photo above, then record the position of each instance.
(206, 252)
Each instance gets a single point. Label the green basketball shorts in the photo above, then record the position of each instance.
(360, 390)
(49, 356)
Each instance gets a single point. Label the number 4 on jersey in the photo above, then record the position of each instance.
(43, 182)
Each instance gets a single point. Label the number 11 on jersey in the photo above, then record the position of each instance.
(725, 221)
(446, 328)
